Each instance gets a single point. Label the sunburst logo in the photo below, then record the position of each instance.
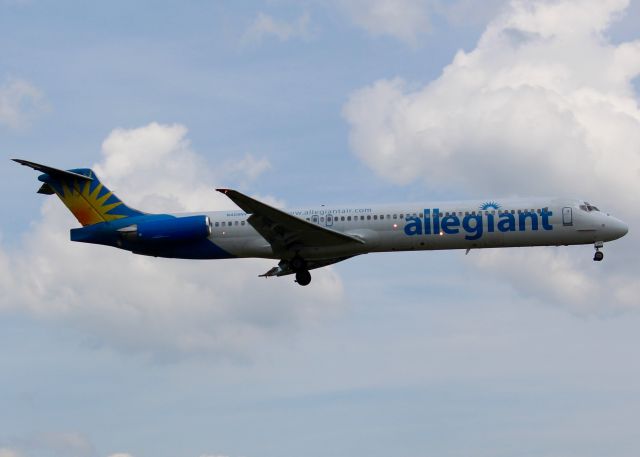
(89, 206)
(489, 205)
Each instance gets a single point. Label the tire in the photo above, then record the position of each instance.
(598, 256)
(303, 277)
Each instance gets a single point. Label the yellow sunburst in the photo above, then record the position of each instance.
(86, 205)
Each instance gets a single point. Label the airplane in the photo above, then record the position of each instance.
(309, 238)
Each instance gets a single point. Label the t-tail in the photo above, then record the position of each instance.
(82, 192)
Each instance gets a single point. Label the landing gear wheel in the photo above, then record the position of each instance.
(303, 277)
(599, 255)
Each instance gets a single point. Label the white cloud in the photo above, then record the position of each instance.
(464, 12)
(67, 444)
(70, 444)
(247, 169)
(541, 106)
(20, 102)
(164, 307)
(265, 26)
(6, 452)
(405, 20)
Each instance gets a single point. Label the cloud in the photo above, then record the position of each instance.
(6, 452)
(247, 169)
(265, 26)
(541, 106)
(163, 307)
(67, 444)
(464, 12)
(20, 103)
(405, 20)
(70, 444)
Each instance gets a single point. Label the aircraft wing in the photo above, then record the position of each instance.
(283, 230)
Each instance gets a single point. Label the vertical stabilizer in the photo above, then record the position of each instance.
(82, 193)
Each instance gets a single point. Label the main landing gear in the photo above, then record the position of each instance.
(599, 255)
(303, 277)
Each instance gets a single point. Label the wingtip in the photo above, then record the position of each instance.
(224, 191)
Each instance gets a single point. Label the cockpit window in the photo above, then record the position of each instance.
(588, 207)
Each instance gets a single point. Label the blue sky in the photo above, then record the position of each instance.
(498, 353)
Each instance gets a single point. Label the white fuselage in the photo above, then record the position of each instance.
(431, 226)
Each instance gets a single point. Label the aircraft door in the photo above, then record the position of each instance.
(329, 220)
(567, 216)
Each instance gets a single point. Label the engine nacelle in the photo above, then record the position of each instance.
(173, 230)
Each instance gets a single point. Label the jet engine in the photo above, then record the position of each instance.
(169, 230)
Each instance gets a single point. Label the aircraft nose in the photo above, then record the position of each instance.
(618, 228)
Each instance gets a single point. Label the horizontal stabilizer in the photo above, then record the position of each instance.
(46, 189)
(52, 171)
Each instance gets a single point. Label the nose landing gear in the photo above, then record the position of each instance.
(599, 255)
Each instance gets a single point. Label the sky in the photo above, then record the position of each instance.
(524, 351)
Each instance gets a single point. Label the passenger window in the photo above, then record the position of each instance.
(401, 216)
(348, 218)
(217, 224)
(375, 217)
(223, 224)
(513, 211)
(395, 216)
(236, 223)
(381, 216)
(466, 213)
(322, 219)
(242, 222)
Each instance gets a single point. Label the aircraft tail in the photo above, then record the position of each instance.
(82, 192)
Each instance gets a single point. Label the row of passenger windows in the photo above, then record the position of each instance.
(381, 217)
(376, 217)
(229, 224)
